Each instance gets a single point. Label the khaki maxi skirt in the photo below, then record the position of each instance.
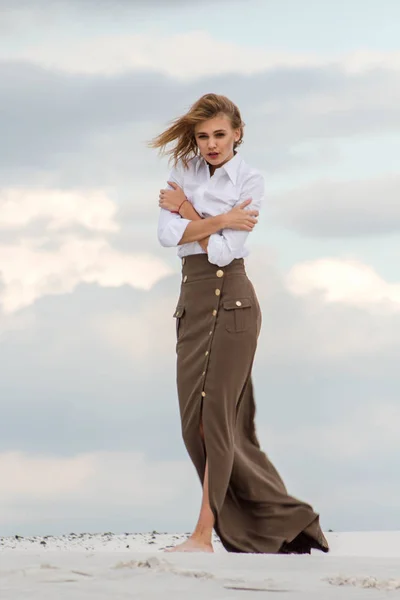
(218, 321)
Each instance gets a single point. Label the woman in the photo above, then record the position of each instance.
(210, 206)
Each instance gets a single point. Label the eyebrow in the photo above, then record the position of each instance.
(216, 131)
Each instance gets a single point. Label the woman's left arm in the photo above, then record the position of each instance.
(174, 201)
(223, 247)
(188, 211)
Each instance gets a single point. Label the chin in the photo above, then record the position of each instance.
(213, 163)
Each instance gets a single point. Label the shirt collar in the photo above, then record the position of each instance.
(231, 167)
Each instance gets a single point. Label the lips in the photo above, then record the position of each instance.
(213, 154)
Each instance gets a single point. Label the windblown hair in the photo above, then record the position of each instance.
(182, 128)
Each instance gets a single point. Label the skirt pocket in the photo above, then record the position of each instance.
(237, 314)
(178, 314)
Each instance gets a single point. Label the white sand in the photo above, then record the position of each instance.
(105, 566)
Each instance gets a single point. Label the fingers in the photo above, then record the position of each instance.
(249, 224)
(246, 226)
(246, 203)
(163, 194)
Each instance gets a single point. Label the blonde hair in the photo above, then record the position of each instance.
(182, 128)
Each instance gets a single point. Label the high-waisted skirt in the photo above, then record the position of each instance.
(218, 321)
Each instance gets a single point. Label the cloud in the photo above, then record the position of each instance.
(60, 209)
(57, 259)
(82, 4)
(41, 478)
(185, 56)
(349, 439)
(99, 362)
(348, 282)
(341, 208)
(87, 296)
(104, 122)
(41, 8)
(140, 335)
(82, 391)
(354, 453)
(89, 320)
(92, 477)
(29, 271)
(22, 15)
(48, 489)
(107, 353)
(327, 311)
(191, 55)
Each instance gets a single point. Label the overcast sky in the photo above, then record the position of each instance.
(89, 429)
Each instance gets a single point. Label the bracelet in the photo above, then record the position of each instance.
(185, 200)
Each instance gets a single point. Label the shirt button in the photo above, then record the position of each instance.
(220, 273)
(214, 312)
(217, 292)
(185, 279)
(238, 303)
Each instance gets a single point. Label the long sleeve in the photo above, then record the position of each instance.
(171, 227)
(225, 246)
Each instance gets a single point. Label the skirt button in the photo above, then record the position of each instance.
(220, 273)
(217, 292)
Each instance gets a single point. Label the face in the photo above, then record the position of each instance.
(215, 139)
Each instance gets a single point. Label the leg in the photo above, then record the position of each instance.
(205, 524)
(201, 538)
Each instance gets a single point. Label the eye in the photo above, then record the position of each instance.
(201, 137)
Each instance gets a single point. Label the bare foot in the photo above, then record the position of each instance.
(192, 545)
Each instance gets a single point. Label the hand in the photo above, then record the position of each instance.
(240, 219)
(171, 199)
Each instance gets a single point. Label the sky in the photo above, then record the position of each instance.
(90, 433)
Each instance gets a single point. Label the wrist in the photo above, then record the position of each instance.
(181, 204)
(222, 221)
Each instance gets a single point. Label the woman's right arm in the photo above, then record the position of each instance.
(172, 227)
(198, 229)
(188, 226)
(174, 230)
(188, 211)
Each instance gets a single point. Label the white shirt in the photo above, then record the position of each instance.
(231, 184)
